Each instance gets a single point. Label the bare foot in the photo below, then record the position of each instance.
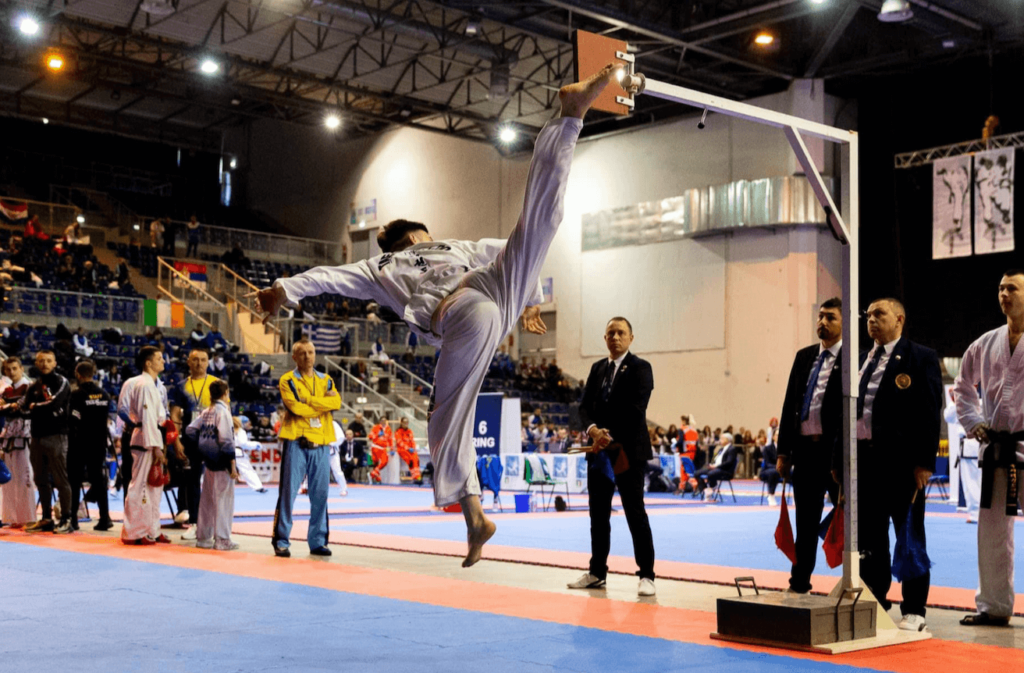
(477, 539)
(577, 98)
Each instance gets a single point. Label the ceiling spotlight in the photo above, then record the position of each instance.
(29, 26)
(472, 27)
(764, 39)
(45, 120)
(332, 122)
(507, 134)
(233, 163)
(894, 11)
(209, 66)
(948, 44)
(817, 2)
(236, 101)
(54, 61)
(80, 219)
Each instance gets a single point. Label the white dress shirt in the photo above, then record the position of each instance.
(812, 426)
(864, 422)
(616, 363)
(989, 363)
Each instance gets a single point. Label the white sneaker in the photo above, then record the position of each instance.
(181, 516)
(587, 581)
(912, 623)
(772, 502)
(190, 534)
(709, 495)
(646, 587)
(343, 494)
(225, 546)
(204, 544)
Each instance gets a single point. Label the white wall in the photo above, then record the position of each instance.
(461, 189)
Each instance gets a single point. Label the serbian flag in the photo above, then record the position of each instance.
(13, 213)
(784, 531)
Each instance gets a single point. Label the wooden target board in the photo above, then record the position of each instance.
(591, 53)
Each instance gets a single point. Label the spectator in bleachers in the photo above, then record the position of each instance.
(87, 444)
(88, 277)
(671, 438)
(561, 442)
(34, 230)
(535, 418)
(156, 231)
(66, 272)
(72, 234)
(377, 352)
(81, 343)
(236, 258)
(526, 436)
(170, 238)
(215, 341)
(217, 364)
(19, 500)
(13, 338)
(46, 402)
(123, 274)
(193, 233)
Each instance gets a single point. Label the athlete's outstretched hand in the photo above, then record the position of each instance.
(269, 300)
(532, 322)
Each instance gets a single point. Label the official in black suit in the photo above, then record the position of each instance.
(899, 406)
(349, 453)
(614, 412)
(811, 417)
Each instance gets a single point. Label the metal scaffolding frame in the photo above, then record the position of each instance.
(924, 157)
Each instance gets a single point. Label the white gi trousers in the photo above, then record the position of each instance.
(970, 478)
(339, 475)
(995, 551)
(246, 471)
(216, 506)
(142, 505)
(19, 494)
(485, 308)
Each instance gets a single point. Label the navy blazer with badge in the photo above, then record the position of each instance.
(906, 411)
(792, 407)
(624, 415)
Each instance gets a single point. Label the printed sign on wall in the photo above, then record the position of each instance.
(993, 201)
(951, 210)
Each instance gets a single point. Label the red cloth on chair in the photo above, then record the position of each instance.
(835, 540)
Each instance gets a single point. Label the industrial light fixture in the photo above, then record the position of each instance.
(472, 27)
(895, 11)
(54, 61)
(507, 134)
(45, 120)
(764, 39)
(28, 26)
(817, 2)
(948, 44)
(80, 219)
(233, 163)
(332, 121)
(209, 66)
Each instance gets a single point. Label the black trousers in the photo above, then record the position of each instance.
(885, 496)
(89, 465)
(190, 490)
(126, 462)
(631, 489)
(812, 479)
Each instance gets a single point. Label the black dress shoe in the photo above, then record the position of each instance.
(283, 553)
(261, 490)
(104, 525)
(320, 551)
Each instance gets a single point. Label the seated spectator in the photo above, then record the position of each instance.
(123, 275)
(769, 474)
(66, 272)
(377, 351)
(527, 436)
(72, 234)
(87, 277)
(560, 442)
(723, 466)
(34, 230)
(671, 438)
(215, 340)
(535, 418)
(81, 343)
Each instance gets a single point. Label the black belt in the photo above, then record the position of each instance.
(1001, 456)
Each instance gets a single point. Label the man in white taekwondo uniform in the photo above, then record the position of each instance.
(995, 363)
(242, 446)
(19, 494)
(147, 413)
(465, 297)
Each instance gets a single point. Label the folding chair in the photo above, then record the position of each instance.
(716, 494)
(539, 477)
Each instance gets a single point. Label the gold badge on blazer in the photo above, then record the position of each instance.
(903, 381)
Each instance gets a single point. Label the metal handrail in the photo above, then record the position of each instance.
(244, 305)
(161, 262)
(332, 363)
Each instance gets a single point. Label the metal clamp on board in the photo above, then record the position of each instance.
(746, 579)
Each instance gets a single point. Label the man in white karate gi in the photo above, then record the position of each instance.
(243, 445)
(147, 414)
(19, 494)
(995, 363)
(465, 297)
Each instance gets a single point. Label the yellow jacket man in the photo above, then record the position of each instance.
(307, 429)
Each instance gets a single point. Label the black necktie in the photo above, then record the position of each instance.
(866, 378)
(606, 385)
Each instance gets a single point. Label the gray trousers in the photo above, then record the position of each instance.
(49, 458)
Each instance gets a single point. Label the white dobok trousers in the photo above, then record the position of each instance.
(19, 494)
(486, 307)
(142, 506)
(216, 506)
(246, 471)
(995, 551)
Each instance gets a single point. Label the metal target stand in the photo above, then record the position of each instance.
(769, 619)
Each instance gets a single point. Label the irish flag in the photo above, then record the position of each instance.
(163, 313)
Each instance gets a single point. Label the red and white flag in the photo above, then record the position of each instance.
(13, 212)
